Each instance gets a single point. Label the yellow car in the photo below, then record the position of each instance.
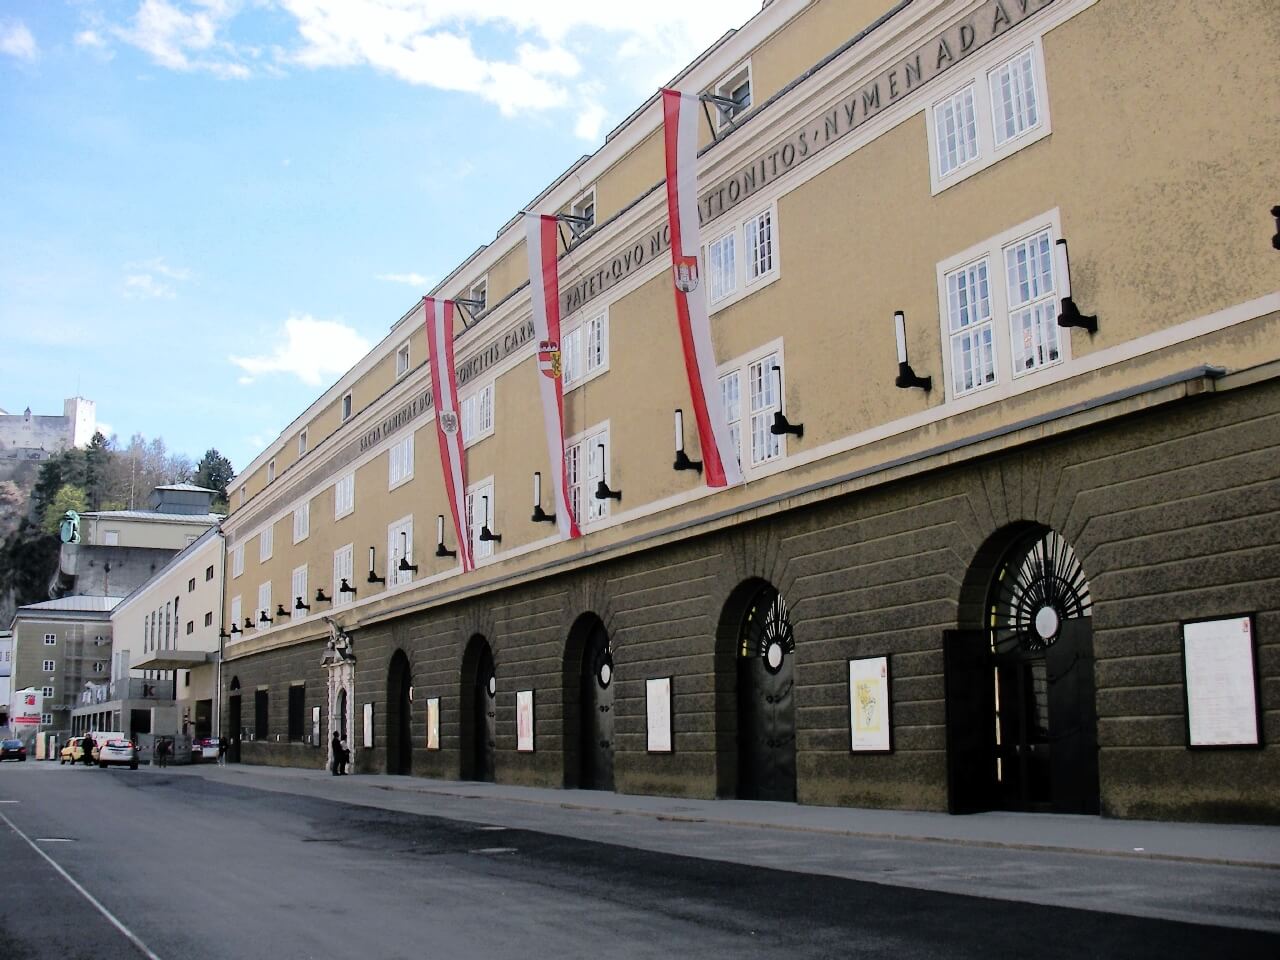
(75, 750)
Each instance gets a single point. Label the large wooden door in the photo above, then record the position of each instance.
(971, 760)
(597, 712)
(485, 704)
(766, 702)
(1073, 720)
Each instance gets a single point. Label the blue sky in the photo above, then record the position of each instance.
(212, 207)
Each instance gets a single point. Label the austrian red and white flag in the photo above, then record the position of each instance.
(680, 112)
(444, 391)
(544, 290)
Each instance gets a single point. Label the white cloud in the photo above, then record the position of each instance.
(90, 38)
(105, 429)
(185, 41)
(158, 265)
(143, 286)
(16, 40)
(412, 279)
(309, 349)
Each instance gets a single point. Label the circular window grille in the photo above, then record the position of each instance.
(766, 631)
(1038, 586)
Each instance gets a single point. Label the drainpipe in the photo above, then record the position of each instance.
(222, 605)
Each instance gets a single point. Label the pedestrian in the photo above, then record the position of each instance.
(86, 748)
(162, 752)
(346, 758)
(336, 745)
(222, 751)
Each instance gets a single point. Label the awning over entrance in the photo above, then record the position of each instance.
(172, 660)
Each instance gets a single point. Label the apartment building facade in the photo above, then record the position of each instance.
(1010, 522)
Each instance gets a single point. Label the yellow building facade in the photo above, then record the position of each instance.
(1004, 471)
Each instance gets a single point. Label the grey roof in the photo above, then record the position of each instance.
(78, 604)
(205, 518)
(187, 487)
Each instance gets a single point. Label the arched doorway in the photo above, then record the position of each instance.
(589, 675)
(399, 735)
(764, 651)
(479, 691)
(1021, 713)
(234, 721)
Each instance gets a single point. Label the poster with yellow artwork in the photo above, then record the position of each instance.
(869, 705)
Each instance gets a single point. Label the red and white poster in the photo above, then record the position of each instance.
(680, 125)
(444, 391)
(544, 292)
(27, 705)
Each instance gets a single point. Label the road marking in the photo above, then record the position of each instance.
(10, 801)
(53, 839)
(493, 828)
(496, 850)
(129, 934)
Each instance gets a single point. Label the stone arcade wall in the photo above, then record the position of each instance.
(1174, 514)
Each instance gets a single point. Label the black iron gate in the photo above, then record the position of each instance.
(766, 702)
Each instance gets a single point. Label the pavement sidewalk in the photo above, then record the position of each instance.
(1230, 844)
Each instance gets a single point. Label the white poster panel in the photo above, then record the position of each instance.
(869, 704)
(315, 725)
(368, 726)
(26, 707)
(524, 721)
(433, 723)
(657, 694)
(1222, 706)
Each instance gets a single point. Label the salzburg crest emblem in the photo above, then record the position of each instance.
(686, 270)
(449, 422)
(549, 358)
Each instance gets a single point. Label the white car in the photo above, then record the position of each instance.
(118, 753)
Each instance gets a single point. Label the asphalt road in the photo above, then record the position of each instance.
(195, 868)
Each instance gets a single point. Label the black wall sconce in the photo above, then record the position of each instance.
(602, 489)
(281, 611)
(235, 628)
(345, 587)
(299, 605)
(780, 423)
(906, 377)
(1071, 315)
(248, 623)
(373, 577)
(1275, 241)
(320, 597)
(682, 459)
(487, 535)
(441, 550)
(540, 515)
(263, 618)
(223, 635)
(405, 566)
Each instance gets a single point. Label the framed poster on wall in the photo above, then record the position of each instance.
(657, 693)
(870, 729)
(368, 726)
(315, 726)
(524, 721)
(433, 723)
(1219, 659)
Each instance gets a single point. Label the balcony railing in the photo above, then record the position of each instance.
(135, 689)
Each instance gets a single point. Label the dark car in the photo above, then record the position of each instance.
(12, 750)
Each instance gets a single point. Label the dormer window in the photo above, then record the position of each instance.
(402, 360)
(584, 209)
(479, 292)
(737, 88)
(346, 407)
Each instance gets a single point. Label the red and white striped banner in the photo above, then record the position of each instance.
(680, 112)
(544, 291)
(444, 393)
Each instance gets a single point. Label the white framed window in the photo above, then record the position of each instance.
(298, 585)
(236, 608)
(302, 443)
(399, 547)
(264, 601)
(50, 639)
(208, 619)
(586, 465)
(400, 462)
(237, 560)
(302, 522)
(243, 494)
(479, 292)
(477, 414)
(481, 512)
(750, 389)
(343, 569)
(46, 719)
(584, 350)
(584, 207)
(735, 86)
(402, 360)
(266, 543)
(46, 692)
(49, 666)
(344, 495)
(271, 470)
(346, 407)
(743, 258)
(999, 308)
(111, 538)
(997, 106)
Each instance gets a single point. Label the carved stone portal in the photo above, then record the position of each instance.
(340, 668)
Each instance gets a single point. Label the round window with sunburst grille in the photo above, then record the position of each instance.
(1038, 586)
(766, 631)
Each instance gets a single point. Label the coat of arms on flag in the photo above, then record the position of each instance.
(686, 269)
(549, 358)
(449, 422)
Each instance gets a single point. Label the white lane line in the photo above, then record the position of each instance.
(53, 839)
(10, 801)
(129, 934)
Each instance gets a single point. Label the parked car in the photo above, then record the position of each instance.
(204, 748)
(76, 750)
(117, 753)
(12, 750)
